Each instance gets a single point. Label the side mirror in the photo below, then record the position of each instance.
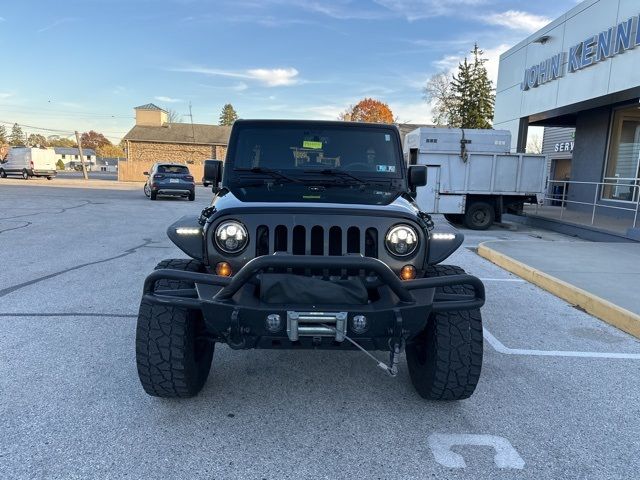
(212, 173)
(417, 176)
(145, 173)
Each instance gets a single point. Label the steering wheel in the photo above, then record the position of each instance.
(359, 164)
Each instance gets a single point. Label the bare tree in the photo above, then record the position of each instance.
(534, 143)
(439, 93)
(173, 116)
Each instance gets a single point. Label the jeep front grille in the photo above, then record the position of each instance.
(316, 240)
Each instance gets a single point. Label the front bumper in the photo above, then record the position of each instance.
(234, 314)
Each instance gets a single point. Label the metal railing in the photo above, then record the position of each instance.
(598, 196)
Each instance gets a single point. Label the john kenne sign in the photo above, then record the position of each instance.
(595, 49)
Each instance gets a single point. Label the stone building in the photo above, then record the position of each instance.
(154, 139)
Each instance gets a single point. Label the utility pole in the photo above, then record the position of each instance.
(84, 167)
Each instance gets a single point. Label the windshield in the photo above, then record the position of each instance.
(305, 150)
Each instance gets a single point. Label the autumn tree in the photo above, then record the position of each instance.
(110, 151)
(93, 140)
(37, 140)
(368, 110)
(228, 115)
(61, 142)
(17, 136)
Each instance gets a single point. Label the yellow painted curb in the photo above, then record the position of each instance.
(599, 307)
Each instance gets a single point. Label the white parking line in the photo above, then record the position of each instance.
(499, 347)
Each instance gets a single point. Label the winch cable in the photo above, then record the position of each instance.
(391, 370)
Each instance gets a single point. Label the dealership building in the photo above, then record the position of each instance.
(580, 77)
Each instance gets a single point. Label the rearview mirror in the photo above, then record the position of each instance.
(417, 176)
(212, 173)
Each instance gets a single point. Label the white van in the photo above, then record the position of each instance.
(29, 162)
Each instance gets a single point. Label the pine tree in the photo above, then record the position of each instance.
(228, 115)
(3, 135)
(474, 93)
(16, 137)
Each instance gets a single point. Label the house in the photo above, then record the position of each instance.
(107, 164)
(154, 139)
(71, 157)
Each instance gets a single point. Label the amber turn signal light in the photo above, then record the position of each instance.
(223, 269)
(408, 272)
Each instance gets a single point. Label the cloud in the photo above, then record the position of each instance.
(162, 98)
(4, 95)
(270, 77)
(56, 23)
(421, 9)
(449, 63)
(240, 87)
(517, 20)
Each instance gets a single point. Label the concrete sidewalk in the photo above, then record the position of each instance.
(602, 278)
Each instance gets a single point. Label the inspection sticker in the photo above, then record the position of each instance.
(387, 137)
(386, 168)
(310, 144)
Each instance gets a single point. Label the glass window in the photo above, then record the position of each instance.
(623, 165)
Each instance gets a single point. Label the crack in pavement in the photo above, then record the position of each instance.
(62, 210)
(6, 291)
(26, 224)
(70, 314)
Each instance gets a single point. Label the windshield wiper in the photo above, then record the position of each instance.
(339, 173)
(268, 171)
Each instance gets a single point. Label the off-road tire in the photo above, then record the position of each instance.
(172, 357)
(445, 360)
(479, 216)
(153, 195)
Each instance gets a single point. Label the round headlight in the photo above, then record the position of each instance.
(401, 240)
(231, 236)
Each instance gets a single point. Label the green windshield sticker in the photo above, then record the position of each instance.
(310, 144)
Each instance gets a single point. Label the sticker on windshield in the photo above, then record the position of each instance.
(310, 144)
(387, 137)
(386, 168)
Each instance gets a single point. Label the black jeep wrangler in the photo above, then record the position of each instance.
(312, 240)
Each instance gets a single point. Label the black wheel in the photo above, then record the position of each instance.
(192, 196)
(454, 217)
(445, 360)
(147, 190)
(172, 354)
(49, 177)
(153, 195)
(25, 174)
(479, 216)
(3, 174)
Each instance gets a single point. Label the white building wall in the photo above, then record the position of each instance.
(615, 74)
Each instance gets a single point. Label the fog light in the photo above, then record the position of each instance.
(359, 324)
(223, 269)
(273, 322)
(408, 272)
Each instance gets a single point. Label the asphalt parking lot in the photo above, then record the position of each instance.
(558, 396)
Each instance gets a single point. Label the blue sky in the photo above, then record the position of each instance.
(84, 64)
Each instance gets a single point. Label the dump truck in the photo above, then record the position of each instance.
(472, 176)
